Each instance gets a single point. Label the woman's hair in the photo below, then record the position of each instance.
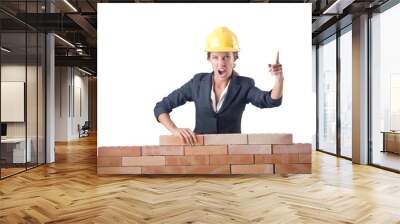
(235, 55)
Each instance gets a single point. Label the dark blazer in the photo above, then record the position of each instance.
(241, 91)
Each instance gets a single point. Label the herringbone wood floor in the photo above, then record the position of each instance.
(69, 191)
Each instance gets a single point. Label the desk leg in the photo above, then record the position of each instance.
(384, 142)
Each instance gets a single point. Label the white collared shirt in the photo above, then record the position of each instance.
(218, 106)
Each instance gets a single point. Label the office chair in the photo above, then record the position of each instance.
(84, 130)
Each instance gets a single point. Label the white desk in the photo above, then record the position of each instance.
(19, 149)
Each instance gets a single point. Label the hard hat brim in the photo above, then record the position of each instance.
(222, 50)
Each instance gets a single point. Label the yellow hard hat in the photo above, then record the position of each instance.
(222, 39)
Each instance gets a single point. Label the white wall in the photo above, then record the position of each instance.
(12, 73)
(80, 83)
(61, 103)
(155, 48)
(68, 83)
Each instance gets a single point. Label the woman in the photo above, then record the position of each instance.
(221, 96)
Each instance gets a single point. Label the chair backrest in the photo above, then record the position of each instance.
(86, 125)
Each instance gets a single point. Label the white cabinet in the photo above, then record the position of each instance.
(18, 149)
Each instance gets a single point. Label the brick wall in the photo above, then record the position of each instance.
(213, 154)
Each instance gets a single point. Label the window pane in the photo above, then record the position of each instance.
(31, 101)
(22, 88)
(13, 87)
(327, 96)
(386, 88)
(41, 99)
(346, 94)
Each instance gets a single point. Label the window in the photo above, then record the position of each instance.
(23, 87)
(327, 96)
(385, 88)
(346, 93)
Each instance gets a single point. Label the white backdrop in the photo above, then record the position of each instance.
(145, 51)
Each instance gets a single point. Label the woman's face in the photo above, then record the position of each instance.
(222, 63)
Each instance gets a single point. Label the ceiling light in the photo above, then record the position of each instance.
(84, 71)
(64, 40)
(338, 6)
(70, 5)
(5, 50)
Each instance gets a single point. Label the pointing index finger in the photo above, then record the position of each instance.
(277, 57)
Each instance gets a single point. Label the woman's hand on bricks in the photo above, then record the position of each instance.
(186, 135)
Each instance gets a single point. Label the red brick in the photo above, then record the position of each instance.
(249, 149)
(175, 140)
(231, 159)
(162, 150)
(263, 159)
(285, 158)
(143, 161)
(131, 151)
(305, 157)
(119, 170)
(269, 139)
(109, 161)
(305, 148)
(213, 169)
(119, 151)
(253, 169)
(206, 150)
(187, 160)
(163, 170)
(225, 139)
(222, 169)
(292, 148)
(109, 151)
(293, 168)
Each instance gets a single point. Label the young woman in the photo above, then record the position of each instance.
(221, 96)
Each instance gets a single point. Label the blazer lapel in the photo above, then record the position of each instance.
(233, 89)
(205, 90)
